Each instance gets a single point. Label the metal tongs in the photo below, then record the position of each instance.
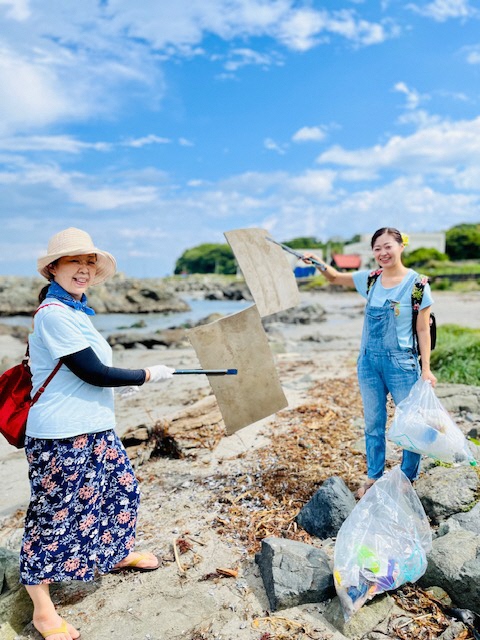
(299, 255)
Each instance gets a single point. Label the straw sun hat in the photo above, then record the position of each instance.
(75, 242)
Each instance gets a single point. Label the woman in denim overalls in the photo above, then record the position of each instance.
(388, 361)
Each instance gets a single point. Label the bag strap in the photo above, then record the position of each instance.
(372, 278)
(46, 383)
(57, 366)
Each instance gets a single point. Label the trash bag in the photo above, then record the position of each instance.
(421, 424)
(382, 544)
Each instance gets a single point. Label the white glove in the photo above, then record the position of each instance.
(160, 372)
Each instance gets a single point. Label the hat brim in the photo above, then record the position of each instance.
(106, 263)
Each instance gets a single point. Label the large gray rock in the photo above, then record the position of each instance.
(454, 565)
(329, 507)
(445, 491)
(469, 521)
(294, 573)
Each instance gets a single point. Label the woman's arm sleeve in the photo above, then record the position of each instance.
(88, 367)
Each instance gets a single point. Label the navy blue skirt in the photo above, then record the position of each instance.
(83, 508)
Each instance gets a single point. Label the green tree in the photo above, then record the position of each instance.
(463, 242)
(423, 256)
(304, 242)
(207, 258)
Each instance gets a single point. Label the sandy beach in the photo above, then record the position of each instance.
(177, 601)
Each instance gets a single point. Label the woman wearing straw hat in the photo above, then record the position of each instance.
(84, 494)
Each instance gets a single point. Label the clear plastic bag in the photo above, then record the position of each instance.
(421, 424)
(382, 544)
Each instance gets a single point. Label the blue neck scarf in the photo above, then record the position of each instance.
(58, 292)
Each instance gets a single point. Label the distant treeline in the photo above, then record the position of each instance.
(462, 243)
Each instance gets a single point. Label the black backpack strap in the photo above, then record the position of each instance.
(418, 290)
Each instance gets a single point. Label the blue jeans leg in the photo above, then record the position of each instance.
(374, 398)
(401, 372)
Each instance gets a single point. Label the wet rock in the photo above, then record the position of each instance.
(325, 513)
(302, 314)
(135, 339)
(294, 573)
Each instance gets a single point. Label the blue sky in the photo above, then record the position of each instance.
(160, 124)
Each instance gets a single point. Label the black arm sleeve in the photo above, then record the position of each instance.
(88, 367)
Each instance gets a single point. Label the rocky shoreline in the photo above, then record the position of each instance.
(121, 294)
(206, 511)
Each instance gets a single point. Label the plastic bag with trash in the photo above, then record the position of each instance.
(382, 544)
(422, 424)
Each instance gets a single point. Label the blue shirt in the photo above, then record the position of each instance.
(68, 407)
(379, 294)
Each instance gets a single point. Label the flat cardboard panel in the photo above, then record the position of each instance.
(266, 269)
(239, 342)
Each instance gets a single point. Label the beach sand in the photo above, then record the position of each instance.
(171, 603)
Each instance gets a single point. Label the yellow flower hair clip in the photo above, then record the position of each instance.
(405, 239)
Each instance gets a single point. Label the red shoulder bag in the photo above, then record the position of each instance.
(15, 399)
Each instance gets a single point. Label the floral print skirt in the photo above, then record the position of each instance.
(83, 508)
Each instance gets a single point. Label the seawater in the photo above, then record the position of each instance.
(108, 323)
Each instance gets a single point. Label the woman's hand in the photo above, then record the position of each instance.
(428, 376)
(308, 254)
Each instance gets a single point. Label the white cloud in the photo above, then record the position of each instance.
(472, 54)
(427, 150)
(442, 10)
(309, 134)
(238, 58)
(412, 95)
(18, 9)
(65, 144)
(303, 29)
(271, 145)
(146, 140)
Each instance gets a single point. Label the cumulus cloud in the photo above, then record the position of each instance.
(309, 134)
(427, 150)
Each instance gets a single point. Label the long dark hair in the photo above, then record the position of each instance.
(391, 232)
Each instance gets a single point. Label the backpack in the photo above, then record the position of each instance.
(416, 298)
(15, 399)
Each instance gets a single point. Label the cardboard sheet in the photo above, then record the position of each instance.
(239, 342)
(266, 269)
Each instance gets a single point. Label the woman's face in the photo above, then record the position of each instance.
(75, 273)
(387, 251)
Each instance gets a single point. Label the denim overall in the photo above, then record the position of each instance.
(383, 367)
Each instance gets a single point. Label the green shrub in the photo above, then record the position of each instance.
(456, 357)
